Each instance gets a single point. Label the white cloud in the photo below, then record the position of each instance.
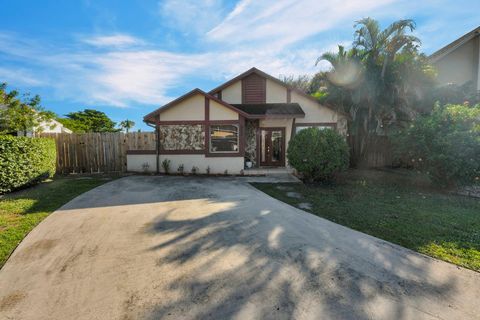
(272, 23)
(191, 16)
(116, 40)
(19, 77)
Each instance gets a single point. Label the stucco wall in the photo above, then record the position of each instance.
(219, 112)
(460, 65)
(233, 93)
(141, 163)
(218, 165)
(275, 92)
(193, 108)
(182, 137)
(313, 111)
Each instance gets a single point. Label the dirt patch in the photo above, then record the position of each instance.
(71, 260)
(11, 300)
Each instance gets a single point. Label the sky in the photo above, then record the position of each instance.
(127, 58)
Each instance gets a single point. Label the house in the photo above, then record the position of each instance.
(245, 122)
(50, 126)
(458, 62)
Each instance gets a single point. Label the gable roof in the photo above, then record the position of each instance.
(272, 78)
(437, 55)
(149, 118)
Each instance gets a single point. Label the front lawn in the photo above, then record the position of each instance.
(21, 211)
(395, 206)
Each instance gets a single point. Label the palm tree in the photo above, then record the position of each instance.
(372, 82)
(126, 125)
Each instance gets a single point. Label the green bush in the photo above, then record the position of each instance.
(25, 161)
(318, 154)
(444, 144)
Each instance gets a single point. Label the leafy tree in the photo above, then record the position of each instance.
(22, 114)
(381, 82)
(301, 82)
(126, 125)
(88, 120)
(444, 144)
(318, 154)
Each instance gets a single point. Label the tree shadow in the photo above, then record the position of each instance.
(264, 260)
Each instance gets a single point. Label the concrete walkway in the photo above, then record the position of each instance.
(216, 248)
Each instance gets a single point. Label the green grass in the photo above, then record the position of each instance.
(21, 211)
(399, 207)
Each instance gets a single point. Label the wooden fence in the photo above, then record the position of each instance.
(379, 154)
(98, 152)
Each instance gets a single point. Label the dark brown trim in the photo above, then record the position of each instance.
(141, 151)
(180, 122)
(207, 109)
(219, 95)
(284, 153)
(149, 117)
(292, 132)
(182, 151)
(241, 138)
(289, 95)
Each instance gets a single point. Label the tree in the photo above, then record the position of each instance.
(301, 82)
(444, 144)
(88, 120)
(126, 125)
(381, 82)
(22, 114)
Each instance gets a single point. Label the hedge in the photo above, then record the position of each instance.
(25, 161)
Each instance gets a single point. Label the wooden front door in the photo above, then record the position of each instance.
(272, 147)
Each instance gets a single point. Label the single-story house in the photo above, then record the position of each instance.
(459, 62)
(245, 122)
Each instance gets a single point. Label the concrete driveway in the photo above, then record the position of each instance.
(197, 248)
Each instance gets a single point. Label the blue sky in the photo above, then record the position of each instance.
(127, 58)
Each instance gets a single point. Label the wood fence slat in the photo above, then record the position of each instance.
(98, 152)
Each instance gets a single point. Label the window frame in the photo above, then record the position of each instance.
(209, 147)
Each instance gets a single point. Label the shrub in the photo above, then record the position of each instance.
(25, 161)
(166, 166)
(444, 144)
(180, 169)
(318, 154)
(194, 170)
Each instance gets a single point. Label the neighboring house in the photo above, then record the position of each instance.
(250, 118)
(51, 126)
(458, 62)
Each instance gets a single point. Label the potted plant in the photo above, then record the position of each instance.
(248, 163)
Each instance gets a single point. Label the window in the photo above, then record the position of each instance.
(224, 138)
(300, 128)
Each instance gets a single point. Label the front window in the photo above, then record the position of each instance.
(224, 138)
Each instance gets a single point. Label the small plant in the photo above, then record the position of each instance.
(194, 170)
(225, 172)
(145, 166)
(180, 169)
(166, 166)
(242, 172)
(208, 170)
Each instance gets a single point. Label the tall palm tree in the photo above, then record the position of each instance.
(371, 80)
(126, 125)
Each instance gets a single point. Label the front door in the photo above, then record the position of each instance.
(272, 147)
